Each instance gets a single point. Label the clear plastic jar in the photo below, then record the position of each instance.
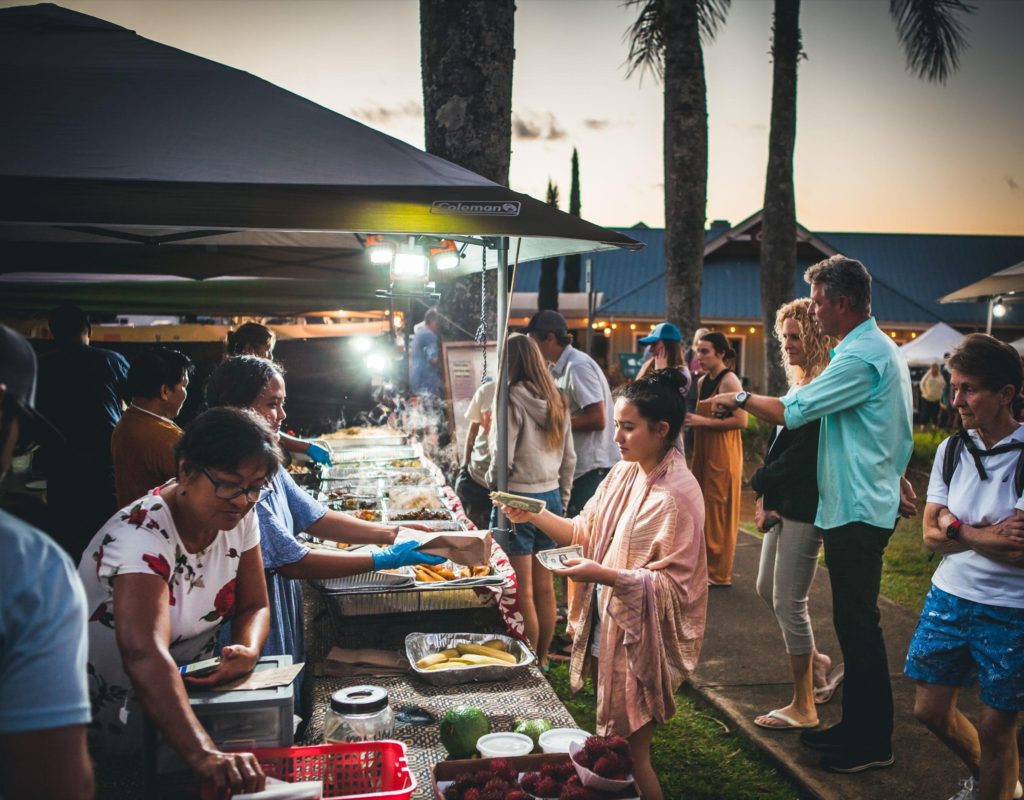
(359, 714)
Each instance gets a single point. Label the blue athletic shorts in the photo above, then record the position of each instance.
(959, 640)
(526, 539)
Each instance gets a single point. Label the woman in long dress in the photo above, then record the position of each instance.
(639, 609)
(718, 455)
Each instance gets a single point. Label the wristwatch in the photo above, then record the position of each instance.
(953, 530)
(741, 399)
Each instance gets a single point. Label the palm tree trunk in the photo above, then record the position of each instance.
(466, 52)
(778, 234)
(686, 163)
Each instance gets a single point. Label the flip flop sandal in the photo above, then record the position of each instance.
(783, 722)
(824, 693)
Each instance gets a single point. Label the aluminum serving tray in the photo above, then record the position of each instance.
(389, 439)
(418, 645)
(413, 476)
(367, 582)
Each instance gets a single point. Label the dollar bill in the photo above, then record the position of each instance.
(555, 559)
(530, 504)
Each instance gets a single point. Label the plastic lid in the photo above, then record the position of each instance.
(505, 745)
(557, 740)
(359, 700)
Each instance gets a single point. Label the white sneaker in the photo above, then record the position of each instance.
(968, 790)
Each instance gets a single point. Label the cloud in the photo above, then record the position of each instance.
(529, 126)
(596, 124)
(1015, 188)
(382, 115)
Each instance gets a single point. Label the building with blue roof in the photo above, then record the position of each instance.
(909, 271)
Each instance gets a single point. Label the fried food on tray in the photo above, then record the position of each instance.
(422, 514)
(429, 573)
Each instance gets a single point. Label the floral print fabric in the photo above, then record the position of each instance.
(142, 538)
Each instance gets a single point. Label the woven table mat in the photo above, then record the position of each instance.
(528, 696)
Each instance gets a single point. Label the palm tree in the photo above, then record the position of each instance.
(466, 53)
(666, 39)
(932, 35)
(547, 294)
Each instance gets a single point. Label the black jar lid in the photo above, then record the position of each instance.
(359, 700)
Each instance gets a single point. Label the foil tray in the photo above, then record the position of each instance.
(418, 645)
(402, 600)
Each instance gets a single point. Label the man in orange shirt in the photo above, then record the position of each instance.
(143, 442)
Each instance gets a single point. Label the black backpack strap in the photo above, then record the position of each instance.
(951, 459)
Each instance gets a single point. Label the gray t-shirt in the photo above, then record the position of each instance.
(480, 459)
(580, 379)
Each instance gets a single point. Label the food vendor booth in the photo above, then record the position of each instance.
(123, 157)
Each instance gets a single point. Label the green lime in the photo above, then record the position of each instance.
(533, 728)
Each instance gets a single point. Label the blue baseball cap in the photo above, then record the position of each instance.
(663, 331)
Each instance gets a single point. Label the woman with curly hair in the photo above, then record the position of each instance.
(787, 501)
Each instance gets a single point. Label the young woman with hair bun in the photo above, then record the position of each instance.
(718, 455)
(639, 607)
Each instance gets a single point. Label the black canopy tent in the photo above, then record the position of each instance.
(121, 155)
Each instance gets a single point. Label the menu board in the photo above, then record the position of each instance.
(464, 372)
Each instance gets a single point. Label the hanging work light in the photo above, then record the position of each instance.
(999, 308)
(379, 250)
(445, 256)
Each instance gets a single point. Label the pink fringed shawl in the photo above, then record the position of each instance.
(652, 620)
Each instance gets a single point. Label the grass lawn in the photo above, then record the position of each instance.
(695, 755)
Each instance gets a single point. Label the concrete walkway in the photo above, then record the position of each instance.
(744, 672)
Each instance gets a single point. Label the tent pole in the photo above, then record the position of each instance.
(988, 321)
(501, 398)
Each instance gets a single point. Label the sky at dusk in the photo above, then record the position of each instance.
(877, 149)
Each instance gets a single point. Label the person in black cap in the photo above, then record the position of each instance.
(44, 698)
(83, 390)
(586, 388)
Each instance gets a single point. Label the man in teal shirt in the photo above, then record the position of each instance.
(863, 399)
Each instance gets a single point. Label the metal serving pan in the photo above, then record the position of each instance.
(418, 645)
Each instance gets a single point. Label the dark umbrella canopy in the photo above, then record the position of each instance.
(122, 155)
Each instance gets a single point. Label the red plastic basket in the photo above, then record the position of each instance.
(360, 770)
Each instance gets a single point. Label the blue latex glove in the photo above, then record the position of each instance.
(404, 554)
(319, 453)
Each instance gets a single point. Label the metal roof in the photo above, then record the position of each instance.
(910, 272)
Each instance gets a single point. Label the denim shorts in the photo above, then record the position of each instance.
(525, 539)
(959, 640)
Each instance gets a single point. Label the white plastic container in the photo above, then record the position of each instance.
(557, 740)
(504, 745)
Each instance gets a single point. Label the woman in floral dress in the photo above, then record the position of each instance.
(162, 576)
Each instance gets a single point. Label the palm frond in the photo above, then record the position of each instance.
(933, 35)
(646, 36)
(711, 14)
(646, 40)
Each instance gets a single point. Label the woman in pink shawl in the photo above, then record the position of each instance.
(638, 613)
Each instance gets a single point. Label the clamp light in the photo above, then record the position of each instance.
(380, 250)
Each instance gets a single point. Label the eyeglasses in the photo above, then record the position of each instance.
(225, 490)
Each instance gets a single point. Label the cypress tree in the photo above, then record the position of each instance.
(571, 277)
(547, 296)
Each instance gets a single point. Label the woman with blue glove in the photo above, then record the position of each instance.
(254, 339)
(258, 385)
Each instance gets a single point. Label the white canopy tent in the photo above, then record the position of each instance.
(930, 347)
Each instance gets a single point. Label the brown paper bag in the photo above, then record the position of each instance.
(469, 548)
